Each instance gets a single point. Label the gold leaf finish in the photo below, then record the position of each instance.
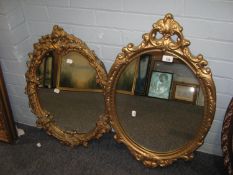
(226, 138)
(172, 42)
(61, 42)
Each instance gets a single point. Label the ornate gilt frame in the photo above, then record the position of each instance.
(169, 28)
(61, 42)
(226, 138)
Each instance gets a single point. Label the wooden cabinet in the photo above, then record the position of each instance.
(7, 126)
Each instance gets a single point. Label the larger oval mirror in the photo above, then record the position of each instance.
(65, 86)
(161, 99)
(157, 100)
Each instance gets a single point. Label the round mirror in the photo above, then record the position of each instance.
(65, 85)
(157, 100)
(160, 98)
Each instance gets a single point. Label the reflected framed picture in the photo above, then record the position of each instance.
(45, 72)
(185, 92)
(142, 77)
(76, 74)
(160, 84)
(127, 80)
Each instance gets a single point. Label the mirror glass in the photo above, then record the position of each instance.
(159, 102)
(69, 91)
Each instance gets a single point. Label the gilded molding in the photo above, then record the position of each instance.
(61, 42)
(169, 29)
(226, 138)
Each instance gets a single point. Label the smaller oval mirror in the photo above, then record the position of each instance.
(65, 85)
(161, 99)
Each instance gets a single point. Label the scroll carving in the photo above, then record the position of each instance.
(169, 29)
(226, 138)
(61, 42)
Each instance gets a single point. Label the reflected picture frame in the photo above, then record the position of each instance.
(127, 82)
(84, 80)
(142, 77)
(160, 84)
(45, 71)
(185, 92)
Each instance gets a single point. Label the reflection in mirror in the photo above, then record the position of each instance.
(69, 91)
(159, 104)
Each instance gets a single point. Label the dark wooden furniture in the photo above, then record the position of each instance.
(7, 127)
(227, 138)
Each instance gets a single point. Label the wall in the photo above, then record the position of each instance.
(107, 26)
(14, 46)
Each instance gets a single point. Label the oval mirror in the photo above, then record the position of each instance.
(65, 86)
(160, 98)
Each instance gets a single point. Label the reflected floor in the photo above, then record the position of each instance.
(73, 110)
(160, 125)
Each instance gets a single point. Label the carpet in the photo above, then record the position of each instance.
(102, 157)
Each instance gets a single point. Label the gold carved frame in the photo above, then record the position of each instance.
(168, 28)
(61, 42)
(226, 138)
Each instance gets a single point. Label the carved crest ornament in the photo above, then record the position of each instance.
(171, 41)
